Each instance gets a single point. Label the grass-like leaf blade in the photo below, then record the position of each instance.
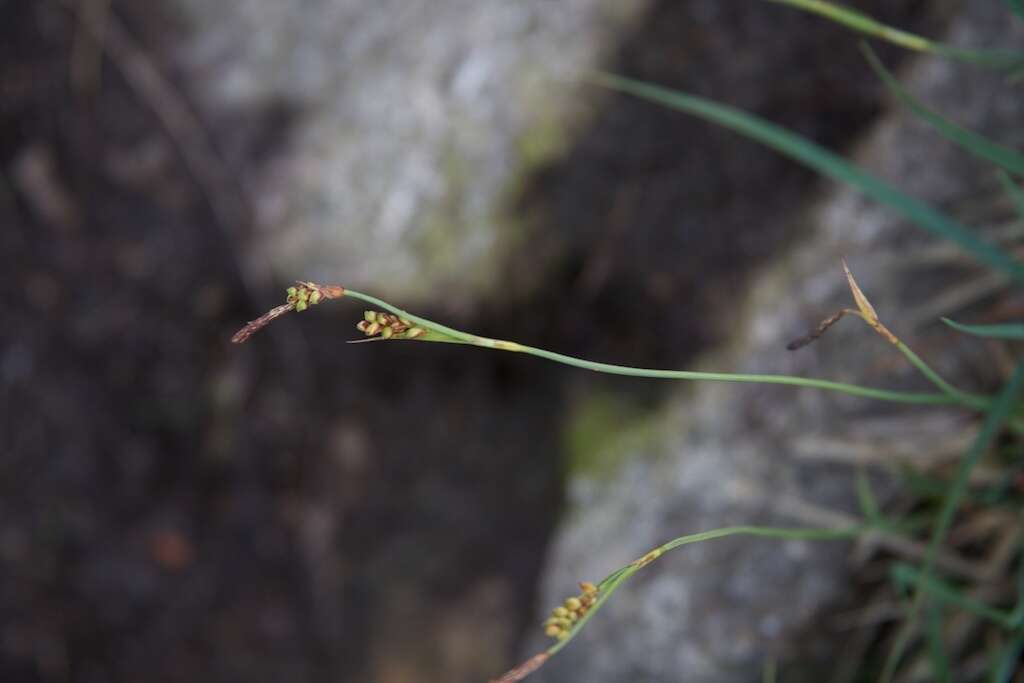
(858, 21)
(997, 416)
(821, 160)
(1004, 331)
(1014, 190)
(976, 144)
(940, 591)
(1007, 660)
(937, 655)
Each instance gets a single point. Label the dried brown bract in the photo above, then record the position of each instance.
(300, 297)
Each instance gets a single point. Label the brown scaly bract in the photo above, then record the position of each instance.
(300, 297)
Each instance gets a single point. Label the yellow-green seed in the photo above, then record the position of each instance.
(588, 587)
(300, 305)
(387, 332)
(372, 329)
(552, 631)
(314, 298)
(369, 316)
(414, 332)
(291, 291)
(560, 612)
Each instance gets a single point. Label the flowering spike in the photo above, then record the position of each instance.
(566, 616)
(298, 298)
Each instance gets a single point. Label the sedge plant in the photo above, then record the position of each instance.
(391, 323)
(931, 594)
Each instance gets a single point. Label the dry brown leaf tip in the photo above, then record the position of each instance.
(867, 311)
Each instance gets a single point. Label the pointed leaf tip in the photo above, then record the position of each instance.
(866, 309)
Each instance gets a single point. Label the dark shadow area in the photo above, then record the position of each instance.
(173, 508)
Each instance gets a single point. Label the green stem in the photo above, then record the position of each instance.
(857, 21)
(953, 397)
(997, 415)
(612, 582)
(943, 592)
(964, 398)
(862, 23)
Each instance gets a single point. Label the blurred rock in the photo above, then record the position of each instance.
(724, 454)
(411, 132)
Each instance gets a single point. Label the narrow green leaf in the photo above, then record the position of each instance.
(997, 415)
(866, 498)
(1008, 659)
(821, 160)
(1016, 6)
(976, 144)
(905, 575)
(858, 21)
(937, 656)
(1017, 615)
(1004, 331)
(1014, 190)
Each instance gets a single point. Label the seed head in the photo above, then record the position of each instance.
(564, 617)
(299, 297)
(388, 326)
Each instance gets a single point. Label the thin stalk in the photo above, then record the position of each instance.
(997, 415)
(972, 400)
(1007, 661)
(862, 23)
(946, 594)
(613, 581)
(946, 398)
(1017, 615)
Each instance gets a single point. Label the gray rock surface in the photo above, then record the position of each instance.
(742, 454)
(416, 118)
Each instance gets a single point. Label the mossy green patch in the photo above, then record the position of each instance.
(541, 143)
(602, 431)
